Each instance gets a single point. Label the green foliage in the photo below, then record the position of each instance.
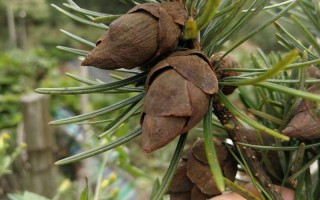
(7, 154)
(26, 196)
(21, 72)
(85, 193)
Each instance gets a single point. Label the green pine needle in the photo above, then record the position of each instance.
(211, 151)
(235, 111)
(100, 149)
(209, 11)
(282, 64)
(99, 112)
(166, 180)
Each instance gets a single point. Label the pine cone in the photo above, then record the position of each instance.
(199, 171)
(193, 179)
(305, 124)
(177, 98)
(181, 196)
(143, 33)
(226, 62)
(180, 183)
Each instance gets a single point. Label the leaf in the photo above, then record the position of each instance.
(293, 42)
(282, 64)
(106, 19)
(93, 88)
(73, 50)
(266, 116)
(155, 188)
(83, 80)
(171, 169)
(250, 122)
(305, 167)
(121, 118)
(27, 196)
(264, 25)
(277, 148)
(311, 39)
(15, 197)
(240, 190)
(99, 112)
(85, 192)
(76, 8)
(207, 15)
(79, 19)
(97, 150)
(79, 39)
(211, 151)
(287, 90)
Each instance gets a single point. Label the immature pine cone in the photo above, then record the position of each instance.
(226, 62)
(177, 98)
(143, 33)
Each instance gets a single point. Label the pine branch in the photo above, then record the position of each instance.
(232, 126)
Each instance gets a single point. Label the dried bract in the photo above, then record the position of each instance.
(143, 33)
(226, 62)
(177, 98)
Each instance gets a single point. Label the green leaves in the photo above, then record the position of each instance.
(85, 192)
(227, 24)
(171, 169)
(263, 25)
(27, 196)
(99, 112)
(282, 64)
(92, 152)
(121, 118)
(79, 39)
(250, 122)
(208, 13)
(210, 150)
(94, 88)
(80, 19)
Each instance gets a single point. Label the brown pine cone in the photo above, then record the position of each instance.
(180, 183)
(199, 172)
(193, 179)
(305, 124)
(177, 98)
(143, 33)
(226, 62)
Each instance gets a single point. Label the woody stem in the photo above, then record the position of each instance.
(232, 126)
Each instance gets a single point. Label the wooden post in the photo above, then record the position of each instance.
(42, 176)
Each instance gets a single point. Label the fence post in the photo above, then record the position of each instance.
(42, 175)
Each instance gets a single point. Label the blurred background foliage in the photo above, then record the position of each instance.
(29, 59)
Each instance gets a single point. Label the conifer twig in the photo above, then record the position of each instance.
(232, 126)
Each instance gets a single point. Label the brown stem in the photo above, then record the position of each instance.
(232, 126)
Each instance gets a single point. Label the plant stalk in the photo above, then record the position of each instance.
(232, 126)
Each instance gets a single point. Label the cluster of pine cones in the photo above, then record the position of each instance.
(179, 82)
(178, 87)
